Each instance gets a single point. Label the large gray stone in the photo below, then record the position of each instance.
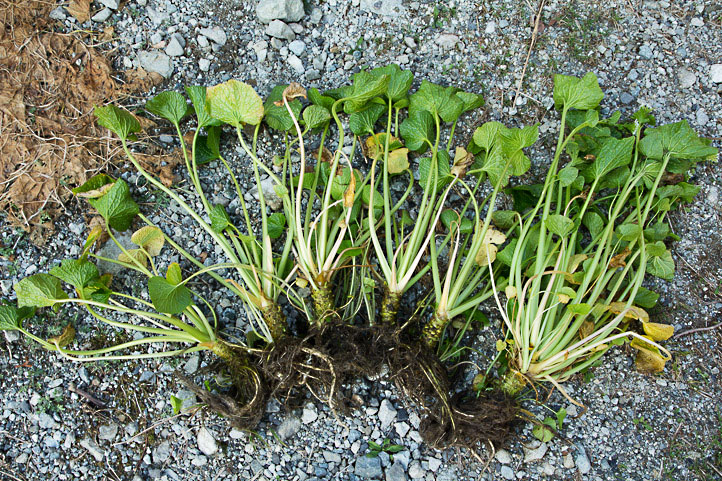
(289, 427)
(396, 473)
(715, 73)
(278, 29)
(288, 10)
(206, 442)
(368, 467)
(156, 62)
(216, 34)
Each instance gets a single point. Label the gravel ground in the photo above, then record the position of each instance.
(60, 420)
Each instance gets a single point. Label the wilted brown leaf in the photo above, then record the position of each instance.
(80, 9)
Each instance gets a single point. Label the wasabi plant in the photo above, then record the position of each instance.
(578, 258)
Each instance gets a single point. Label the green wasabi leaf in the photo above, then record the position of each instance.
(567, 175)
(486, 135)
(646, 298)
(208, 146)
(315, 116)
(94, 187)
(119, 121)
(116, 206)
(418, 131)
(276, 225)
(76, 272)
(219, 218)
(174, 274)
(197, 95)
(399, 81)
(575, 93)
(506, 255)
(660, 263)
(629, 232)
(559, 225)
(39, 290)
(679, 140)
(658, 232)
(504, 219)
(234, 103)
(594, 223)
(443, 170)
(471, 101)
(11, 317)
(315, 97)
(277, 116)
(362, 122)
(613, 154)
(450, 218)
(365, 87)
(169, 105)
(167, 297)
(437, 100)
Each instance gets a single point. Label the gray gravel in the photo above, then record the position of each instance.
(664, 55)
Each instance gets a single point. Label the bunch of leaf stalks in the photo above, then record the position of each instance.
(345, 237)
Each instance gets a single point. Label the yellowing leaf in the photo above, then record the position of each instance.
(486, 254)
(462, 161)
(398, 161)
(500, 345)
(136, 254)
(65, 337)
(574, 263)
(649, 361)
(586, 329)
(494, 236)
(510, 292)
(234, 103)
(350, 192)
(149, 238)
(633, 312)
(619, 259)
(294, 90)
(657, 331)
(563, 298)
(95, 193)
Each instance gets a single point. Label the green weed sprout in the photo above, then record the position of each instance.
(578, 258)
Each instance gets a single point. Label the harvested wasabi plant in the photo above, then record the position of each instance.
(580, 252)
(369, 205)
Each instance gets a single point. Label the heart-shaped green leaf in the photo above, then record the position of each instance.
(11, 317)
(559, 224)
(315, 97)
(276, 225)
(576, 93)
(174, 274)
(486, 135)
(660, 263)
(443, 170)
(629, 232)
(208, 146)
(168, 297)
(365, 87)
(277, 116)
(116, 206)
(235, 103)
(169, 105)
(437, 100)
(679, 140)
(567, 175)
(646, 298)
(418, 131)
(76, 272)
(39, 290)
(471, 101)
(363, 121)
(315, 116)
(613, 154)
(399, 81)
(197, 95)
(119, 121)
(219, 218)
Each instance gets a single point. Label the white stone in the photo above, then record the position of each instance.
(387, 413)
(686, 78)
(278, 29)
(206, 442)
(296, 64)
(289, 10)
(204, 64)
(58, 13)
(93, 449)
(503, 456)
(156, 62)
(215, 34)
(297, 47)
(697, 22)
(309, 414)
(102, 15)
(174, 48)
(715, 73)
(447, 40)
(111, 4)
(410, 42)
(203, 41)
(582, 462)
(535, 454)
(490, 27)
(702, 117)
(387, 8)
(568, 461)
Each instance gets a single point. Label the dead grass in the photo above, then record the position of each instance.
(49, 83)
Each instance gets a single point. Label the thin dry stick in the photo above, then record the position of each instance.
(698, 329)
(531, 47)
